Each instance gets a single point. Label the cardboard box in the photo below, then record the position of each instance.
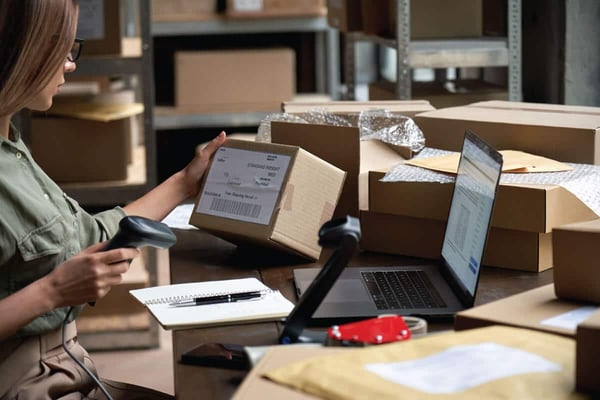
(274, 8)
(422, 237)
(587, 355)
(442, 95)
(234, 80)
(532, 208)
(344, 15)
(100, 24)
(80, 142)
(268, 194)
(530, 309)
(576, 270)
(358, 156)
(183, 10)
(429, 19)
(563, 133)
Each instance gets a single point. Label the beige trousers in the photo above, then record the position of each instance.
(38, 368)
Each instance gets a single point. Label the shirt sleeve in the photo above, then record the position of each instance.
(99, 227)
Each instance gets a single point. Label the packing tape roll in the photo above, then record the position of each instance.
(417, 326)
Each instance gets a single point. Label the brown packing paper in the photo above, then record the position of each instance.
(514, 162)
(342, 376)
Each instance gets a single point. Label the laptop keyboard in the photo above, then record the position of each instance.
(402, 289)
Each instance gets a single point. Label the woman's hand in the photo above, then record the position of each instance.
(89, 275)
(194, 171)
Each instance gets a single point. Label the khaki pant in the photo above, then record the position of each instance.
(38, 368)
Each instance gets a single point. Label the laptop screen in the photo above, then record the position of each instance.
(471, 211)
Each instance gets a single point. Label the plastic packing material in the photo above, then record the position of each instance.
(583, 180)
(378, 124)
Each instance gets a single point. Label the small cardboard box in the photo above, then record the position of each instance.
(537, 309)
(576, 270)
(234, 80)
(344, 15)
(274, 8)
(268, 194)
(563, 133)
(587, 355)
(85, 142)
(358, 156)
(422, 237)
(429, 19)
(183, 10)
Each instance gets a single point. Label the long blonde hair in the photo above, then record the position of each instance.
(35, 38)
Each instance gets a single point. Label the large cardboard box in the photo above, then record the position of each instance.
(525, 207)
(268, 194)
(358, 156)
(537, 309)
(576, 269)
(587, 355)
(522, 222)
(274, 8)
(563, 133)
(344, 15)
(442, 95)
(422, 237)
(85, 142)
(247, 80)
(183, 10)
(100, 24)
(429, 19)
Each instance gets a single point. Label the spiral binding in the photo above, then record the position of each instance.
(185, 297)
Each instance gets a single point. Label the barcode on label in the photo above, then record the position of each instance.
(235, 207)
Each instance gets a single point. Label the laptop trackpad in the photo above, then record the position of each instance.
(346, 290)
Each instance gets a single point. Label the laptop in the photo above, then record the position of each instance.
(437, 289)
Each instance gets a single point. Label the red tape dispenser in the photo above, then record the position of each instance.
(384, 329)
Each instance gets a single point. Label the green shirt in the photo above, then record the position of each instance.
(40, 227)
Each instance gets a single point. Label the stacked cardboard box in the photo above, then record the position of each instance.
(274, 8)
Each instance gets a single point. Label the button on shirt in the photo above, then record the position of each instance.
(40, 227)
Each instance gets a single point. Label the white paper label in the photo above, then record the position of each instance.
(571, 319)
(91, 19)
(248, 5)
(243, 185)
(453, 370)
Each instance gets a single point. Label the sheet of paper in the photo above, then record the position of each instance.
(571, 319)
(452, 370)
(179, 217)
(514, 162)
(243, 184)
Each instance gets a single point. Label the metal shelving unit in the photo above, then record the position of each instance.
(460, 53)
(117, 192)
(326, 61)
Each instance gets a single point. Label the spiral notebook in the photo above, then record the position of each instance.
(272, 306)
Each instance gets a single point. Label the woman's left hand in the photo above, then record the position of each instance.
(195, 170)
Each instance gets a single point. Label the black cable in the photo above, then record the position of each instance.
(86, 369)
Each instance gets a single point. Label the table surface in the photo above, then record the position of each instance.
(199, 256)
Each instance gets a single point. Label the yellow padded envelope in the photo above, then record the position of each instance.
(514, 162)
(343, 375)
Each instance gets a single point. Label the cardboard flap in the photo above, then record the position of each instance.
(96, 112)
(405, 107)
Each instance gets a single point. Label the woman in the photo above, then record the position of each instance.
(51, 254)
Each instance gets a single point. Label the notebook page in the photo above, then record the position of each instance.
(272, 306)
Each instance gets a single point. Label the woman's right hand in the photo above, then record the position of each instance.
(89, 275)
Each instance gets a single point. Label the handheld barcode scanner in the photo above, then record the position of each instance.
(135, 232)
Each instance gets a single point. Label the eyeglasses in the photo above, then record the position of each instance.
(75, 50)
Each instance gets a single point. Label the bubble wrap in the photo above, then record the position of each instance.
(372, 124)
(583, 181)
(391, 128)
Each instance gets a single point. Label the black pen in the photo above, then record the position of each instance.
(218, 299)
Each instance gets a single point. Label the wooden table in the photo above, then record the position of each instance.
(199, 256)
